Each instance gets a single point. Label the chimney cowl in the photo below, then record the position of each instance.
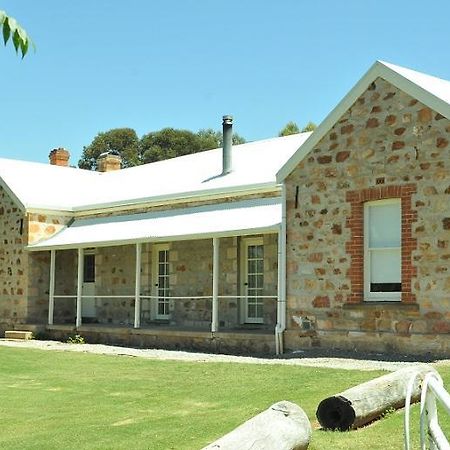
(227, 126)
(59, 157)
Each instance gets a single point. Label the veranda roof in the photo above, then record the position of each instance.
(216, 220)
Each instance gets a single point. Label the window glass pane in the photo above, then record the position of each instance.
(251, 251)
(385, 266)
(252, 265)
(385, 287)
(385, 225)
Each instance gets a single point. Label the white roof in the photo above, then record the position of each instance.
(431, 91)
(45, 187)
(225, 219)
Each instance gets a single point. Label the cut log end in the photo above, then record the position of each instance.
(336, 413)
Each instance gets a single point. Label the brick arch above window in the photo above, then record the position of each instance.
(355, 247)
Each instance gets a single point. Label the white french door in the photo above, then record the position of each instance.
(253, 279)
(161, 289)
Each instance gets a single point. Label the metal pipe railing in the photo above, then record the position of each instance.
(430, 429)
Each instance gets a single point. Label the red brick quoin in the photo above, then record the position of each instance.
(355, 247)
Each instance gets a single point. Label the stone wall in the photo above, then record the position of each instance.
(44, 226)
(387, 145)
(13, 264)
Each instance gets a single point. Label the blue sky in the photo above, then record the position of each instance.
(149, 64)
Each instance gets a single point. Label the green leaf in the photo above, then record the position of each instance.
(6, 30)
(16, 40)
(24, 47)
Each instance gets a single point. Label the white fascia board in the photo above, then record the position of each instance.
(187, 237)
(49, 212)
(378, 70)
(98, 208)
(211, 194)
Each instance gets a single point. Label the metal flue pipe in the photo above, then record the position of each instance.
(227, 125)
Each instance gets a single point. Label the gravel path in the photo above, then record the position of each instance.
(300, 358)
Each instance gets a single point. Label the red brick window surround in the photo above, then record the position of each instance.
(355, 247)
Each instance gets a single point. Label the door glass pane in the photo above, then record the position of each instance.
(89, 269)
(255, 282)
(260, 266)
(259, 251)
(163, 283)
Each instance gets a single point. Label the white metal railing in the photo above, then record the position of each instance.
(165, 298)
(432, 389)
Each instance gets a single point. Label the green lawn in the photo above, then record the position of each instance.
(60, 400)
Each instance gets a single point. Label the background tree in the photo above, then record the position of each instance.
(124, 141)
(214, 139)
(154, 146)
(11, 29)
(168, 143)
(310, 126)
(290, 128)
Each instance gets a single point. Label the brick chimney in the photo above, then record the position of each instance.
(59, 157)
(109, 161)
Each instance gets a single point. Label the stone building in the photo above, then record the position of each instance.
(339, 238)
(368, 220)
(178, 253)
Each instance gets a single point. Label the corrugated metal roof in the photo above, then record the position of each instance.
(224, 219)
(47, 187)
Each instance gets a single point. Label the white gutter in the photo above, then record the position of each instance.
(187, 237)
(281, 304)
(162, 200)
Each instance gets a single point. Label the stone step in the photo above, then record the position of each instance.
(16, 334)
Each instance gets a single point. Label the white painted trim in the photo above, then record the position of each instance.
(156, 248)
(377, 296)
(378, 70)
(282, 280)
(51, 289)
(79, 286)
(184, 197)
(187, 237)
(150, 202)
(137, 289)
(245, 243)
(215, 286)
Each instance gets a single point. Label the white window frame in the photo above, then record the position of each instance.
(155, 278)
(246, 242)
(378, 296)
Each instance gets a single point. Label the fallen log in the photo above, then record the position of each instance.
(283, 426)
(362, 404)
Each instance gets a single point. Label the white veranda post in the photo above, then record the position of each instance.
(79, 285)
(51, 290)
(215, 287)
(137, 292)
